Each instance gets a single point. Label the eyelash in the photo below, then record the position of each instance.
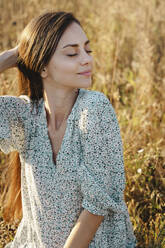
(71, 55)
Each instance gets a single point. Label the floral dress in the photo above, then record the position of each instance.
(88, 174)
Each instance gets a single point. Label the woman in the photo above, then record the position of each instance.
(70, 151)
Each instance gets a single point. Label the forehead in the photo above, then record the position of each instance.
(73, 34)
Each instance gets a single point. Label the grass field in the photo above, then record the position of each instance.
(128, 43)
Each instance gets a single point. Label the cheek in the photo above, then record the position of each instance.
(67, 66)
(64, 71)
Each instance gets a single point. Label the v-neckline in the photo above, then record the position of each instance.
(66, 130)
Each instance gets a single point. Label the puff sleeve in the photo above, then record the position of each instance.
(101, 171)
(11, 124)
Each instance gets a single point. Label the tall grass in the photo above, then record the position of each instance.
(128, 43)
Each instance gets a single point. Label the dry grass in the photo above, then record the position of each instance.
(128, 41)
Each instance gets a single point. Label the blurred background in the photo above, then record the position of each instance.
(128, 42)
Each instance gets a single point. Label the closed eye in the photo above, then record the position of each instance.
(71, 55)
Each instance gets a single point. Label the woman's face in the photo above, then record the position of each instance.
(71, 58)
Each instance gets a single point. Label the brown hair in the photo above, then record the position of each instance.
(37, 45)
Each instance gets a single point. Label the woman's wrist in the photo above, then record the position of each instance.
(8, 59)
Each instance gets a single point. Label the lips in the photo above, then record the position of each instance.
(87, 73)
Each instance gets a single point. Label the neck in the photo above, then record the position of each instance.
(58, 104)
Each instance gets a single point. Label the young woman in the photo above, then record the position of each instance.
(68, 177)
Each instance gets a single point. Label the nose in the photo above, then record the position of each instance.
(85, 58)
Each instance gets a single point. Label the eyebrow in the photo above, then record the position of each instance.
(76, 45)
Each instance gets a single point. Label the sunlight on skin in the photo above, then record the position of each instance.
(84, 230)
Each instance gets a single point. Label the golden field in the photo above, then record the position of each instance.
(128, 42)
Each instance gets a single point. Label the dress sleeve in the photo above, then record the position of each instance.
(101, 171)
(11, 124)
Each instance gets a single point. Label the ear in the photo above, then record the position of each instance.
(44, 73)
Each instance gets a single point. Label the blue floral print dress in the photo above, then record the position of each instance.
(88, 174)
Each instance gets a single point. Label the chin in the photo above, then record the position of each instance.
(86, 84)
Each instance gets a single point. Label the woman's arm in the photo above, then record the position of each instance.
(8, 59)
(84, 230)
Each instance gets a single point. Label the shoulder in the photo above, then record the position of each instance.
(96, 102)
(7, 99)
(92, 98)
(97, 114)
(15, 104)
(96, 108)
